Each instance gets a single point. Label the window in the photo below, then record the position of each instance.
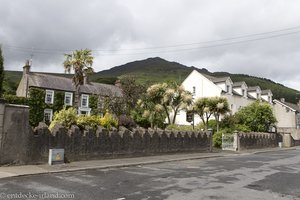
(227, 88)
(49, 98)
(84, 101)
(68, 98)
(48, 113)
(194, 91)
(243, 92)
(84, 111)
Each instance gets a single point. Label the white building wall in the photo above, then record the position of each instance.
(203, 88)
(285, 117)
(237, 102)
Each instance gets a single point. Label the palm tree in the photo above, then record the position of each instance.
(81, 62)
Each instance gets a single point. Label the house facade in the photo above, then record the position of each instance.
(238, 94)
(288, 117)
(52, 84)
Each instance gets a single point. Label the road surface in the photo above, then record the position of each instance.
(271, 175)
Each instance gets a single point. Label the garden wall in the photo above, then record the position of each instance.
(14, 133)
(255, 140)
(83, 145)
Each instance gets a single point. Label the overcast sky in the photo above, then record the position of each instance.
(256, 37)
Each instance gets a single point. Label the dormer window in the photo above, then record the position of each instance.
(194, 91)
(228, 88)
(243, 92)
(49, 98)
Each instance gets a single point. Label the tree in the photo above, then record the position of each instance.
(171, 97)
(203, 107)
(132, 92)
(258, 116)
(220, 107)
(1, 72)
(81, 62)
(207, 106)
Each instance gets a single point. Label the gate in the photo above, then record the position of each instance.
(229, 141)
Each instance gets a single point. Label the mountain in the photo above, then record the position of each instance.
(154, 70)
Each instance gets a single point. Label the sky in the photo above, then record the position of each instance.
(255, 37)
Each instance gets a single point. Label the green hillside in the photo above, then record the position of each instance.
(154, 70)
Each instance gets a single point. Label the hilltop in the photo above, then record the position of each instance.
(154, 70)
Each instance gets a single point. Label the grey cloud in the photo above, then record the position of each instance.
(130, 24)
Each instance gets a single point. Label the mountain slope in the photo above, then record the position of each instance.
(154, 70)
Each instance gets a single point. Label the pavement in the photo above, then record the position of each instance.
(23, 170)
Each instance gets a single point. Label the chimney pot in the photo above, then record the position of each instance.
(85, 79)
(282, 100)
(26, 68)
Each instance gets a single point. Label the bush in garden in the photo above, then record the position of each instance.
(84, 121)
(217, 139)
(126, 122)
(65, 117)
(108, 121)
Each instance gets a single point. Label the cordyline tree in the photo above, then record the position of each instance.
(206, 107)
(170, 97)
(81, 62)
(1, 72)
(220, 107)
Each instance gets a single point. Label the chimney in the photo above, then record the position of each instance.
(85, 79)
(282, 100)
(26, 68)
(118, 83)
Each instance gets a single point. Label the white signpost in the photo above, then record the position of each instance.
(56, 156)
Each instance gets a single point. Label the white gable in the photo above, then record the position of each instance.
(200, 86)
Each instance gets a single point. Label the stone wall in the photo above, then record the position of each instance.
(289, 141)
(82, 145)
(258, 140)
(14, 133)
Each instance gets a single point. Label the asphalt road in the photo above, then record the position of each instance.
(272, 175)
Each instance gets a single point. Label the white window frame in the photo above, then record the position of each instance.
(68, 94)
(51, 92)
(194, 91)
(87, 110)
(87, 101)
(48, 111)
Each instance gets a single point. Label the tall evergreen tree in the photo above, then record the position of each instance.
(1, 72)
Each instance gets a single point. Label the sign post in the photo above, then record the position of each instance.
(56, 156)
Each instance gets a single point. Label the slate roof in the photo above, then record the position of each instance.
(216, 79)
(238, 84)
(290, 105)
(65, 84)
(266, 92)
(252, 88)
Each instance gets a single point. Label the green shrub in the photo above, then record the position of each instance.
(84, 121)
(13, 99)
(179, 127)
(217, 139)
(108, 121)
(211, 124)
(65, 117)
(127, 122)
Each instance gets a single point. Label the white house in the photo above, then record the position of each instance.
(288, 117)
(200, 86)
(238, 94)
